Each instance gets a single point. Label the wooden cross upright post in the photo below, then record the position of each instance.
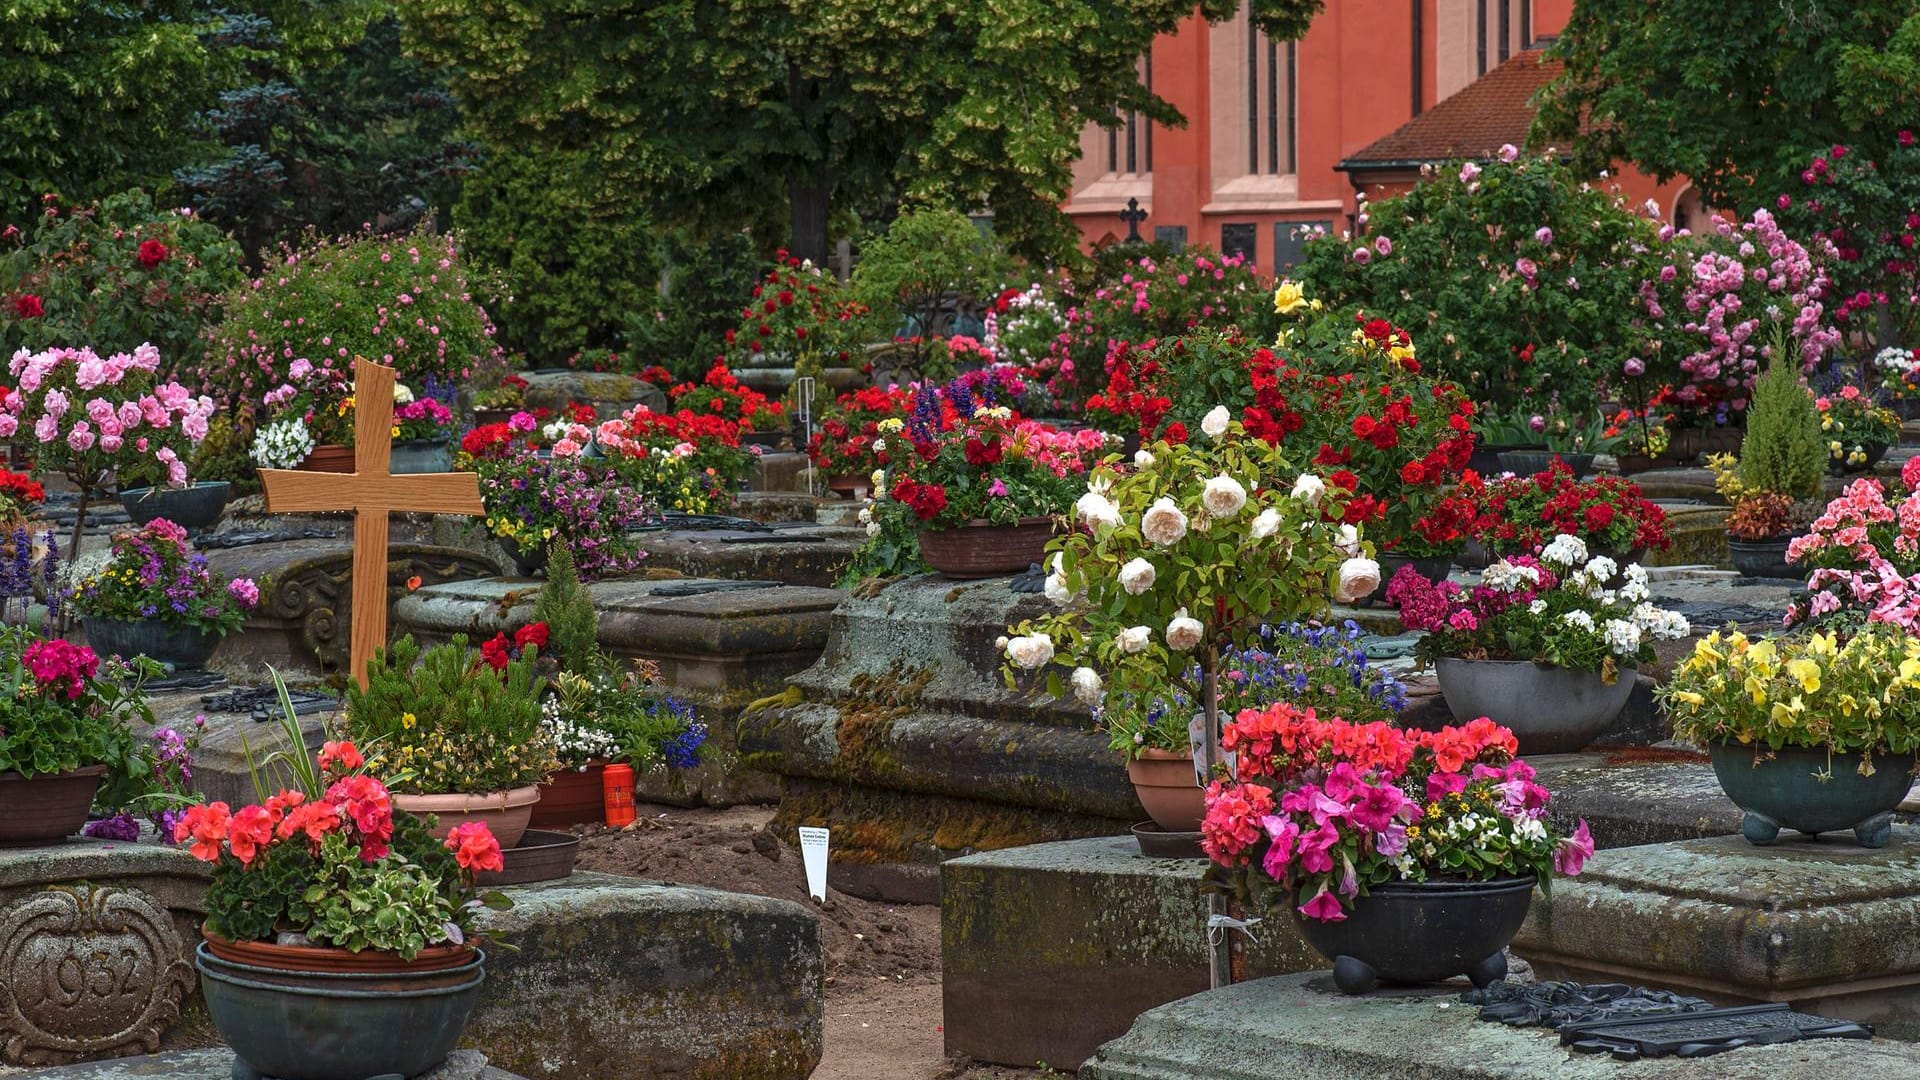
(371, 492)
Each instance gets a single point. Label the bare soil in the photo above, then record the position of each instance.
(883, 1019)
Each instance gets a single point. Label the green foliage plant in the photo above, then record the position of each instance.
(927, 259)
(706, 277)
(65, 708)
(1783, 451)
(441, 722)
(565, 605)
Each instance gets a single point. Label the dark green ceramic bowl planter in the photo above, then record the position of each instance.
(314, 1025)
(194, 507)
(183, 647)
(1421, 932)
(1787, 791)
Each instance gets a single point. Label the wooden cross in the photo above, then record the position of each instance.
(371, 492)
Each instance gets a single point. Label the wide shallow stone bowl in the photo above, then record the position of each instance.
(981, 549)
(48, 808)
(1420, 932)
(504, 813)
(1550, 710)
(196, 506)
(182, 646)
(1811, 791)
(335, 1026)
(1165, 783)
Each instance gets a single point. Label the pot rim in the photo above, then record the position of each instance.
(1438, 660)
(471, 957)
(1501, 884)
(508, 799)
(1154, 753)
(145, 491)
(983, 523)
(1760, 747)
(209, 971)
(95, 769)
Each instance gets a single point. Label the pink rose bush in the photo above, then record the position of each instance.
(1323, 810)
(94, 415)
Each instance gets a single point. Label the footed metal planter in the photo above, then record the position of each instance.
(1422, 932)
(184, 647)
(1550, 710)
(1786, 791)
(194, 507)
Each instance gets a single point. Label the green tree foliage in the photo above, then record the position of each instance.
(708, 278)
(724, 109)
(927, 259)
(364, 138)
(576, 257)
(573, 628)
(1735, 96)
(96, 98)
(1782, 450)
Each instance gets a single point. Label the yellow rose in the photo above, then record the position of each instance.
(1288, 298)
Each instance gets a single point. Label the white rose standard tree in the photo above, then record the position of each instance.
(1179, 559)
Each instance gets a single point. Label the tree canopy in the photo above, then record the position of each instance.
(718, 110)
(1735, 96)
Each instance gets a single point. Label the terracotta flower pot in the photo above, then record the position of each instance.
(571, 797)
(47, 808)
(505, 813)
(1164, 781)
(328, 457)
(267, 954)
(981, 549)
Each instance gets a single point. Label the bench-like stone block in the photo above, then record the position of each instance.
(614, 976)
(1831, 927)
(1298, 1026)
(1047, 951)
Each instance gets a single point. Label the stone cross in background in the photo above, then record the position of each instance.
(371, 492)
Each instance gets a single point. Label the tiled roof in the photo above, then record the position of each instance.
(1494, 109)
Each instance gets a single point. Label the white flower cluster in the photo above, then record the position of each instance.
(1504, 576)
(1565, 551)
(282, 444)
(1661, 624)
(1635, 589)
(1621, 635)
(575, 742)
(1897, 361)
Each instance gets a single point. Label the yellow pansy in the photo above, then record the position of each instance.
(1806, 672)
(1689, 697)
(407, 720)
(1787, 713)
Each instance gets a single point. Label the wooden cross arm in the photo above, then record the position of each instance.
(290, 491)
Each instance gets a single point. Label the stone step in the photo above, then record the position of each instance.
(1297, 1025)
(218, 1064)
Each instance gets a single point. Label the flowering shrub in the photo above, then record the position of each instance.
(1866, 202)
(404, 301)
(332, 860)
(1310, 665)
(155, 574)
(986, 467)
(1865, 553)
(1328, 809)
(1556, 609)
(96, 416)
(1899, 370)
(1853, 424)
(1520, 281)
(1022, 327)
(1521, 514)
(720, 394)
(799, 315)
(446, 721)
(1813, 691)
(685, 461)
(533, 501)
(1151, 300)
(1183, 557)
(113, 276)
(70, 709)
(419, 419)
(844, 445)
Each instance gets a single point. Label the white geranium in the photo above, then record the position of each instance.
(282, 444)
(1137, 576)
(1504, 576)
(1216, 421)
(1659, 623)
(1087, 686)
(1223, 496)
(1163, 523)
(1578, 619)
(1030, 650)
(1600, 569)
(1265, 524)
(1358, 577)
(1537, 607)
(873, 528)
(1622, 637)
(1183, 633)
(1565, 550)
(1096, 511)
(1309, 488)
(1134, 639)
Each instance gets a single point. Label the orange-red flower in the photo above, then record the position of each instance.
(250, 830)
(474, 847)
(207, 825)
(343, 754)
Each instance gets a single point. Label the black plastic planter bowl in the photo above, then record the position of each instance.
(194, 507)
(327, 1026)
(184, 647)
(1422, 932)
